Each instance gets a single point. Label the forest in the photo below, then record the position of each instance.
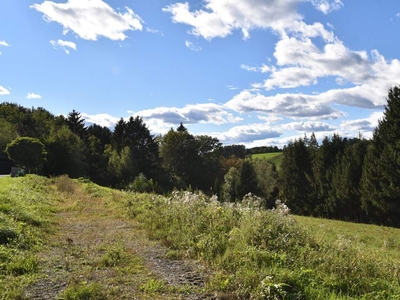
(351, 179)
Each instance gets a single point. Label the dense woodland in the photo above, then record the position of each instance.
(348, 179)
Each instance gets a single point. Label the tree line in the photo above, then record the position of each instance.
(348, 179)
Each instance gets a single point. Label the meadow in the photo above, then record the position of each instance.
(248, 252)
(274, 157)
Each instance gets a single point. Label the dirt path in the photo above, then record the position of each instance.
(93, 245)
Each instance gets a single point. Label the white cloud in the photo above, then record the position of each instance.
(364, 126)
(104, 120)
(63, 45)
(327, 6)
(231, 87)
(302, 63)
(90, 19)
(220, 18)
(287, 105)
(155, 31)
(398, 15)
(33, 96)
(248, 133)
(308, 126)
(4, 91)
(4, 43)
(192, 46)
(190, 114)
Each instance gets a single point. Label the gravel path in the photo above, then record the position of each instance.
(86, 232)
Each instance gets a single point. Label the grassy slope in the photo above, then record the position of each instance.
(252, 252)
(275, 157)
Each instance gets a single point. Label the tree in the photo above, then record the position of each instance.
(143, 146)
(295, 170)
(209, 151)
(77, 124)
(8, 133)
(65, 153)
(180, 157)
(229, 189)
(381, 173)
(248, 182)
(267, 180)
(28, 152)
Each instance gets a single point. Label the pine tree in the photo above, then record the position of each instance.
(381, 172)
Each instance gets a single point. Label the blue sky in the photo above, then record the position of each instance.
(253, 72)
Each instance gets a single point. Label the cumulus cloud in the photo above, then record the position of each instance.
(287, 105)
(4, 44)
(301, 63)
(220, 18)
(190, 114)
(248, 133)
(327, 6)
(364, 126)
(90, 19)
(33, 96)
(308, 126)
(104, 120)
(4, 91)
(60, 44)
(192, 46)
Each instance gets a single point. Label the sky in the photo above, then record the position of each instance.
(251, 72)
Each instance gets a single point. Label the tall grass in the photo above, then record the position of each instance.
(26, 209)
(264, 254)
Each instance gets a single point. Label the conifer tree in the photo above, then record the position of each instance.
(381, 172)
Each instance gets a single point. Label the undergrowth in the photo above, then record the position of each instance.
(264, 254)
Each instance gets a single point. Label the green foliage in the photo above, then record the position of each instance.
(84, 291)
(26, 209)
(7, 134)
(294, 173)
(65, 153)
(230, 186)
(153, 286)
(142, 185)
(180, 157)
(265, 254)
(267, 180)
(380, 179)
(26, 151)
(248, 182)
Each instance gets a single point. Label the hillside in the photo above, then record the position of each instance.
(274, 157)
(72, 239)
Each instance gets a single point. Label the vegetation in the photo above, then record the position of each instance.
(263, 254)
(250, 252)
(273, 157)
(350, 179)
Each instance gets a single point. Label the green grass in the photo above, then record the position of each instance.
(259, 254)
(26, 211)
(250, 253)
(275, 157)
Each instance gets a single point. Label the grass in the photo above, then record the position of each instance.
(83, 234)
(25, 217)
(259, 254)
(275, 157)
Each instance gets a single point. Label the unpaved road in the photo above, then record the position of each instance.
(92, 244)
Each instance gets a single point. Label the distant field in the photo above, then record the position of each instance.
(274, 157)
